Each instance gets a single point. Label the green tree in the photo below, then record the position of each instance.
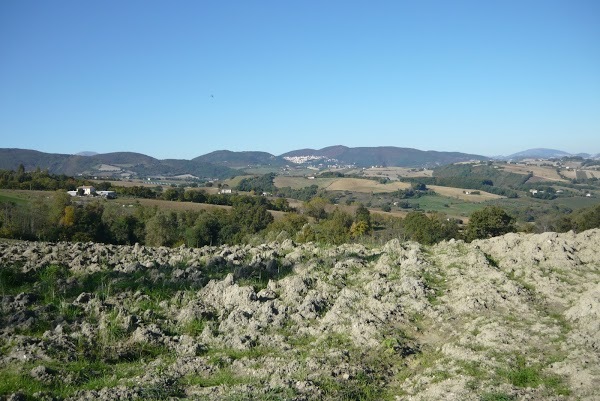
(316, 208)
(173, 194)
(362, 222)
(162, 230)
(491, 221)
(336, 228)
(291, 223)
(587, 218)
(429, 229)
(418, 186)
(205, 231)
(359, 229)
(362, 214)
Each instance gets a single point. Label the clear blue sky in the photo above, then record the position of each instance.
(177, 79)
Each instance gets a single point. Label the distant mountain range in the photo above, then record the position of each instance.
(381, 156)
(543, 153)
(224, 163)
(119, 164)
(240, 159)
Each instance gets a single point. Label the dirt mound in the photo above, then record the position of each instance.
(513, 317)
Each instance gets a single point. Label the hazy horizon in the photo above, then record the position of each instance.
(93, 153)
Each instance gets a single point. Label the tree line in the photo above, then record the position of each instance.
(39, 180)
(248, 220)
(62, 218)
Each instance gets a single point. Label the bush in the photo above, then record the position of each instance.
(490, 221)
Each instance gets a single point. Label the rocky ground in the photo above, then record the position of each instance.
(510, 318)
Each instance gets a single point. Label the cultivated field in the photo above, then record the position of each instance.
(573, 174)
(108, 167)
(182, 206)
(547, 173)
(394, 173)
(340, 184)
(22, 196)
(507, 318)
(301, 182)
(127, 184)
(170, 205)
(459, 193)
(233, 182)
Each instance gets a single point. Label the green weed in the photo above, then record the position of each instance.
(223, 377)
(497, 397)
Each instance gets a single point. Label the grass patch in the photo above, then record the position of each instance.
(436, 284)
(13, 380)
(11, 197)
(530, 375)
(223, 377)
(194, 327)
(68, 378)
(364, 386)
(493, 262)
(12, 280)
(497, 397)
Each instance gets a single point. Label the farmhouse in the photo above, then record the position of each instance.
(225, 191)
(107, 194)
(87, 190)
(91, 191)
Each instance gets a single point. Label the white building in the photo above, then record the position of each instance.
(87, 190)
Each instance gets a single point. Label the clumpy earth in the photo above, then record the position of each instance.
(515, 317)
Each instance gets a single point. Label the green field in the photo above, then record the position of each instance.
(260, 170)
(576, 202)
(449, 206)
(8, 198)
(21, 197)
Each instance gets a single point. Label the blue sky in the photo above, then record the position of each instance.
(177, 79)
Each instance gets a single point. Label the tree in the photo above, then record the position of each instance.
(336, 228)
(173, 194)
(587, 218)
(417, 226)
(161, 229)
(316, 208)
(491, 221)
(204, 232)
(362, 220)
(418, 186)
(291, 223)
(359, 229)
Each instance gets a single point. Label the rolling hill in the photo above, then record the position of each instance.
(538, 153)
(385, 156)
(113, 164)
(240, 159)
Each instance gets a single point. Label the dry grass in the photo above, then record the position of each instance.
(571, 173)
(545, 172)
(592, 173)
(458, 193)
(183, 206)
(340, 184)
(233, 182)
(127, 184)
(301, 182)
(365, 186)
(393, 173)
(170, 205)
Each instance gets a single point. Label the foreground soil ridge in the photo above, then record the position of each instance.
(515, 317)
